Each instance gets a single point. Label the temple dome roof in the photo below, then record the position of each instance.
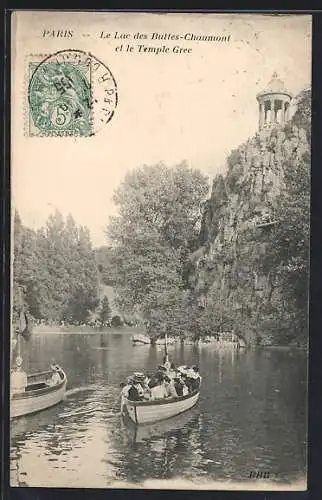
(275, 86)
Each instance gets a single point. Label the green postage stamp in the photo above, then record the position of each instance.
(70, 93)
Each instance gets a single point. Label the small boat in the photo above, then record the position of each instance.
(140, 339)
(143, 412)
(191, 341)
(163, 341)
(149, 411)
(39, 394)
(34, 392)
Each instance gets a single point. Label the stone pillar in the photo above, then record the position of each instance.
(267, 113)
(271, 110)
(273, 116)
(261, 115)
(283, 111)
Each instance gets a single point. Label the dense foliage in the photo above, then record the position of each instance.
(287, 254)
(56, 269)
(106, 269)
(155, 232)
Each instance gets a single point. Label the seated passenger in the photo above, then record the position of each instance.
(153, 382)
(133, 392)
(196, 377)
(187, 384)
(55, 378)
(158, 391)
(185, 389)
(146, 388)
(170, 388)
(178, 385)
(183, 369)
(18, 380)
(192, 378)
(125, 388)
(172, 372)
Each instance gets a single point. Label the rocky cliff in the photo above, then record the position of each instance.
(235, 287)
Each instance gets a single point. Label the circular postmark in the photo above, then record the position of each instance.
(70, 93)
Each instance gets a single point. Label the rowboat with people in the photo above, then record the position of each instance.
(41, 391)
(143, 412)
(165, 394)
(34, 392)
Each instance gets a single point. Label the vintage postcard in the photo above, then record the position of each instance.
(160, 253)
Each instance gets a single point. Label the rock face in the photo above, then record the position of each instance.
(226, 272)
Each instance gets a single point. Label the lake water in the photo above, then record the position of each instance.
(251, 417)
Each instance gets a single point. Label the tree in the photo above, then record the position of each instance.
(302, 115)
(105, 311)
(155, 232)
(26, 269)
(56, 268)
(83, 279)
(104, 255)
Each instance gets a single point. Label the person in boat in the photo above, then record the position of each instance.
(184, 391)
(135, 392)
(18, 377)
(185, 387)
(156, 378)
(126, 387)
(55, 377)
(183, 369)
(187, 384)
(193, 378)
(178, 385)
(170, 388)
(144, 382)
(159, 391)
(140, 383)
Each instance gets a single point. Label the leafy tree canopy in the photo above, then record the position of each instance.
(155, 231)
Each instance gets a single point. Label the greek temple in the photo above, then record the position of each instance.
(274, 103)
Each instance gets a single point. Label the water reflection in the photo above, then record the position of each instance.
(249, 399)
(170, 426)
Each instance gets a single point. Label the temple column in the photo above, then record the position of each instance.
(271, 110)
(261, 115)
(273, 116)
(284, 111)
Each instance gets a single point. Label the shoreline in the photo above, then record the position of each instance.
(47, 330)
(54, 330)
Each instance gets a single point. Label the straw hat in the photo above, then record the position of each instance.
(139, 377)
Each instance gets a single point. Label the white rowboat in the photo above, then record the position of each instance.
(143, 412)
(141, 339)
(38, 394)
